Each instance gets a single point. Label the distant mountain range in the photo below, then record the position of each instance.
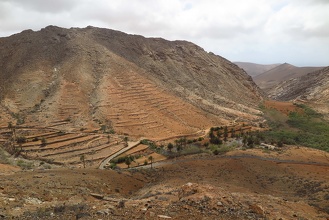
(254, 69)
(313, 86)
(274, 74)
(286, 82)
(286, 71)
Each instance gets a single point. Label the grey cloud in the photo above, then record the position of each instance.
(235, 29)
(45, 6)
(324, 2)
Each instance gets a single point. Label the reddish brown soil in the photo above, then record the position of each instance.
(284, 107)
(6, 169)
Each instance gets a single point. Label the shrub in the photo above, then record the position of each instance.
(25, 165)
(145, 141)
(304, 127)
(21, 139)
(3, 156)
(113, 165)
(43, 142)
(170, 146)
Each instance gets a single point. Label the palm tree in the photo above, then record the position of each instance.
(125, 139)
(43, 142)
(225, 133)
(232, 133)
(83, 160)
(151, 159)
(13, 135)
(170, 146)
(128, 161)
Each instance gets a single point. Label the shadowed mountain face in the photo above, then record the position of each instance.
(136, 85)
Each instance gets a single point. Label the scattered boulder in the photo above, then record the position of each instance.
(187, 190)
(121, 204)
(164, 217)
(220, 204)
(256, 209)
(104, 212)
(97, 196)
(33, 201)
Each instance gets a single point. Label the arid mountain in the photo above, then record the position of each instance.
(281, 73)
(254, 69)
(139, 86)
(312, 88)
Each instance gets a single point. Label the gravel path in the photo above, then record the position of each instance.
(107, 160)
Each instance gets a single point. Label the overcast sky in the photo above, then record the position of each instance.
(260, 31)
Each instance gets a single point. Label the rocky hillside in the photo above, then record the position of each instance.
(312, 88)
(281, 73)
(135, 85)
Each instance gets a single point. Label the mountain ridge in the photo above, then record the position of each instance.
(94, 75)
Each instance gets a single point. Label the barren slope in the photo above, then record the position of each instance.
(135, 85)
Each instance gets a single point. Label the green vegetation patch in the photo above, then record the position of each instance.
(305, 128)
(25, 165)
(4, 156)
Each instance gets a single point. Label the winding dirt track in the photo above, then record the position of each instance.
(108, 159)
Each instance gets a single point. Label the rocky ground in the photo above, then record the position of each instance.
(190, 187)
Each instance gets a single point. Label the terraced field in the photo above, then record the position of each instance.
(64, 148)
(136, 106)
(68, 106)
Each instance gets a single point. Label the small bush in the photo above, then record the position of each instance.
(43, 142)
(3, 156)
(216, 152)
(21, 139)
(145, 141)
(25, 165)
(113, 165)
